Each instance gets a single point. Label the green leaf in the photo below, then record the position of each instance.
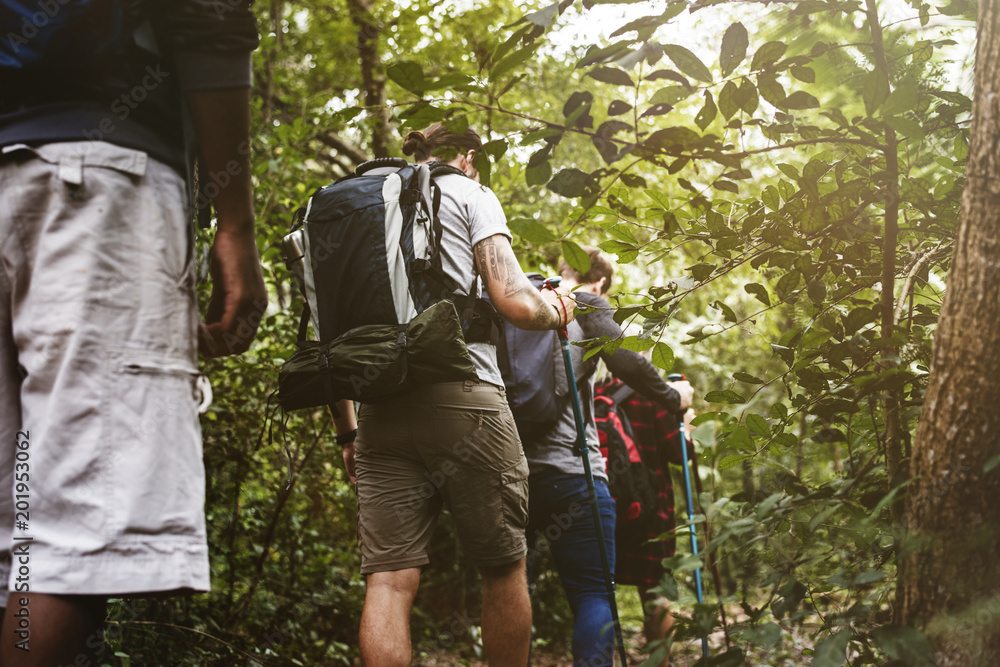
(618, 107)
(408, 75)
(804, 74)
(623, 234)
(663, 357)
(457, 125)
(707, 113)
(544, 17)
(726, 186)
(770, 198)
(902, 99)
(765, 636)
(875, 91)
(688, 62)
(746, 377)
(636, 344)
(701, 272)
(757, 425)
(728, 103)
(906, 127)
(511, 61)
(758, 291)
(570, 183)
(770, 89)
(670, 95)
(787, 283)
(481, 163)
(801, 100)
(611, 75)
(732, 461)
(449, 81)
(904, 643)
(734, 48)
(748, 97)
(868, 577)
(727, 396)
(816, 290)
(576, 256)
(727, 312)
(832, 651)
(662, 200)
(577, 109)
(496, 149)
(673, 139)
(538, 174)
(657, 110)
(531, 230)
(767, 55)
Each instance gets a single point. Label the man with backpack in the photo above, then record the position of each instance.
(557, 484)
(450, 443)
(641, 548)
(100, 449)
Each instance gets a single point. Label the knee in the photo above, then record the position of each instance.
(499, 573)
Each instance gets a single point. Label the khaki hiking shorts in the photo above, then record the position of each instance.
(101, 478)
(453, 443)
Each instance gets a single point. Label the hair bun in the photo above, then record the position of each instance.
(416, 142)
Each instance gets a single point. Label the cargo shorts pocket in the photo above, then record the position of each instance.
(514, 501)
(153, 452)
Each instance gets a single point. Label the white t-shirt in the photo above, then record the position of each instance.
(469, 213)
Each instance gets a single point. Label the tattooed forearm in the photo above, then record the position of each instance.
(546, 317)
(494, 263)
(515, 283)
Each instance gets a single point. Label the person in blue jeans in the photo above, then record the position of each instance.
(559, 511)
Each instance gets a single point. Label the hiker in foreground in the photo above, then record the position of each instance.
(642, 544)
(451, 443)
(560, 505)
(99, 434)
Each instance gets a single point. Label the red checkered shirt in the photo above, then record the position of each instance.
(639, 562)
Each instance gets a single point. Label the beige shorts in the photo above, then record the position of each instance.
(101, 475)
(453, 443)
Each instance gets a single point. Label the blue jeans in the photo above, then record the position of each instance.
(560, 513)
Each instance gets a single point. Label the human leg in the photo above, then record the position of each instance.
(506, 619)
(475, 457)
(658, 619)
(562, 514)
(385, 620)
(57, 630)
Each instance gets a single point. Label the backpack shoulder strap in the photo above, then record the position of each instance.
(623, 393)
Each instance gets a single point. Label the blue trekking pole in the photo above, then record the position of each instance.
(677, 377)
(583, 450)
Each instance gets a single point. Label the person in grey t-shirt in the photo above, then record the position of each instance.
(558, 486)
(452, 442)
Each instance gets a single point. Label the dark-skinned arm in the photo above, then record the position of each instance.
(239, 298)
(513, 295)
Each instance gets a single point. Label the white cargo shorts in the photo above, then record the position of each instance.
(101, 476)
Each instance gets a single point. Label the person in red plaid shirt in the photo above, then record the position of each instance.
(638, 554)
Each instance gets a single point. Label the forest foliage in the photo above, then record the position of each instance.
(780, 185)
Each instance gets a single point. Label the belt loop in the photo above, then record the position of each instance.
(467, 385)
(205, 389)
(71, 169)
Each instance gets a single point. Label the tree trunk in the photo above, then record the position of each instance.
(372, 75)
(894, 462)
(949, 580)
